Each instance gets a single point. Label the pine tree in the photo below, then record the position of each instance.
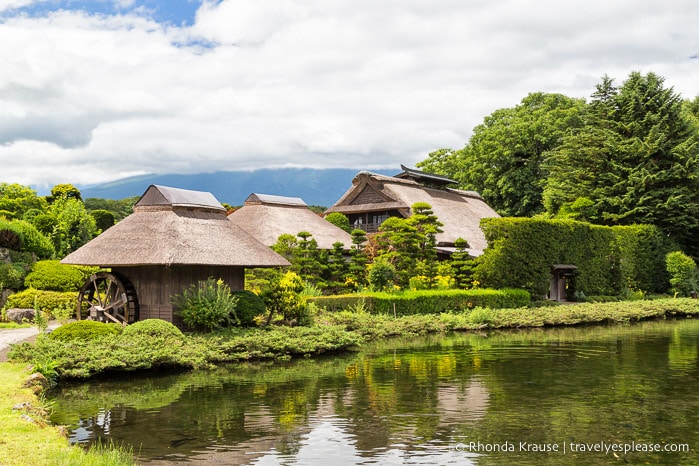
(358, 259)
(636, 159)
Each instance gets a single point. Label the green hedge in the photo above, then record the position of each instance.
(54, 276)
(641, 250)
(11, 276)
(46, 301)
(153, 328)
(84, 330)
(609, 260)
(249, 306)
(425, 301)
(31, 239)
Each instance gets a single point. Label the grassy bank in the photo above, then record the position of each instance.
(332, 332)
(32, 442)
(27, 439)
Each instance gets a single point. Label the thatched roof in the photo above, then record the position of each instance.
(459, 211)
(267, 217)
(172, 226)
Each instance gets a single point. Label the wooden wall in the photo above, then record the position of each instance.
(156, 284)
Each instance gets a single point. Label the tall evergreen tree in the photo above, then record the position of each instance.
(636, 159)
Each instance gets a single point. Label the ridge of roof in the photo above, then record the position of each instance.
(413, 173)
(274, 199)
(157, 195)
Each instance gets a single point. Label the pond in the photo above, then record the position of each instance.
(626, 394)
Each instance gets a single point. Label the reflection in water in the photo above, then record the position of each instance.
(459, 399)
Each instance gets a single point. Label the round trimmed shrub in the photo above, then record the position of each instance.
(11, 276)
(46, 301)
(53, 276)
(84, 330)
(153, 328)
(249, 306)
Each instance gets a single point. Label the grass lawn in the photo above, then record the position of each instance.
(34, 442)
(13, 325)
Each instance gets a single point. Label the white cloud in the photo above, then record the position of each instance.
(89, 98)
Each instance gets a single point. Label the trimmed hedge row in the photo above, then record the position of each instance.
(609, 260)
(84, 330)
(46, 301)
(425, 301)
(51, 275)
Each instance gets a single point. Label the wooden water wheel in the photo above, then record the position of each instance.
(108, 297)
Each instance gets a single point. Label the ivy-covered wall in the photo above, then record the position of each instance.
(609, 260)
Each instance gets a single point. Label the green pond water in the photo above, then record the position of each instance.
(625, 394)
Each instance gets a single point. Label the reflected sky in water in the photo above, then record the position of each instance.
(415, 401)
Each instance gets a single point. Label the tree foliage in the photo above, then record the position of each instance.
(683, 273)
(75, 226)
(64, 191)
(628, 156)
(16, 200)
(503, 159)
(339, 220)
(636, 160)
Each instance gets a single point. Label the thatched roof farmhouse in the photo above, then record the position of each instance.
(266, 217)
(175, 237)
(373, 198)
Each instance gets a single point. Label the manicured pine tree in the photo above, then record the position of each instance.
(428, 226)
(337, 269)
(399, 244)
(307, 260)
(358, 259)
(462, 265)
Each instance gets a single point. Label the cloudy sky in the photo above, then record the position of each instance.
(92, 91)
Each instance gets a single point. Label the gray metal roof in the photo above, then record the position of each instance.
(272, 199)
(157, 195)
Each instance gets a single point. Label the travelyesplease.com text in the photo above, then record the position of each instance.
(572, 447)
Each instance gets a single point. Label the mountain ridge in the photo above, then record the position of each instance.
(322, 187)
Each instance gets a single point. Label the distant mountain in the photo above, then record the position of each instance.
(315, 186)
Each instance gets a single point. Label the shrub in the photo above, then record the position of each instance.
(31, 239)
(103, 219)
(84, 330)
(481, 316)
(45, 301)
(53, 276)
(381, 274)
(11, 276)
(682, 270)
(153, 328)
(283, 298)
(339, 220)
(426, 301)
(207, 305)
(249, 306)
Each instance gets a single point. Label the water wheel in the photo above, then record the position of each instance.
(108, 297)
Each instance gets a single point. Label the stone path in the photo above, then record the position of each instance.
(10, 336)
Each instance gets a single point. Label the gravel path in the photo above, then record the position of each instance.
(10, 336)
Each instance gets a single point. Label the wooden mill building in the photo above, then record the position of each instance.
(174, 238)
(266, 217)
(373, 198)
